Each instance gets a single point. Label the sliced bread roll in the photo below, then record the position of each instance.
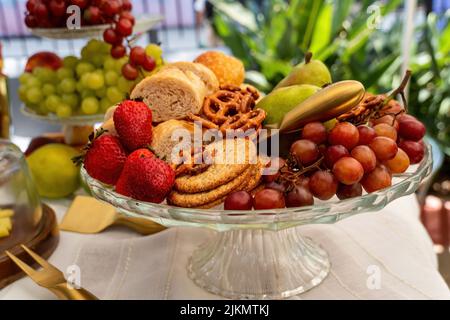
(204, 73)
(162, 142)
(171, 94)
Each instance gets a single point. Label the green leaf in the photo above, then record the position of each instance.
(340, 13)
(237, 13)
(322, 33)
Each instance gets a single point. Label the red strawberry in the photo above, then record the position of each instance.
(133, 123)
(105, 158)
(145, 177)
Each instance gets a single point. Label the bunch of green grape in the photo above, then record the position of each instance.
(82, 86)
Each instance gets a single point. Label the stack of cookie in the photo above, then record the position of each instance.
(210, 187)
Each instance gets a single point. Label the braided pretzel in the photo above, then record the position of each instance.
(244, 121)
(229, 101)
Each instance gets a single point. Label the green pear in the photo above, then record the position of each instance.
(281, 101)
(312, 72)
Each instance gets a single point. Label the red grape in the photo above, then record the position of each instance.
(58, 8)
(347, 192)
(149, 63)
(384, 148)
(31, 5)
(124, 27)
(129, 16)
(378, 179)
(385, 130)
(412, 130)
(118, 51)
(333, 154)
(274, 169)
(304, 182)
(40, 11)
(80, 3)
(110, 36)
(348, 170)
(366, 157)
(111, 7)
(127, 5)
(345, 134)
(269, 199)
(305, 152)
(130, 72)
(388, 119)
(366, 135)
(323, 185)
(93, 15)
(276, 186)
(315, 132)
(299, 197)
(414, 150)
(406, 117)
(30, 21)
(399, 164)
(240, 200)
(137, 55)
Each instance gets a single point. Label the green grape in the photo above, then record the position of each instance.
(111, 78)
(42, 109)
(48, 89)
(84, 67)
(109, 63)
(154, 51)
(95, 81)
(101, 93)
(63, 111)
(80, 87)
(24, 77)
(33, 82)
(64, 73)
(87, 93)
(52, 102)
(124, 85)
(97, 60)
(90, 105)
(105, 104)
(22, 92)
(84, 80)
(45, 75)
(70, 62)
(71, 99)
(68, 85)
(34, 95)
(120, 63)
(32, 106)
(114, 95)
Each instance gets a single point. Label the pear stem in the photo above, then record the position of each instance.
(308, 57)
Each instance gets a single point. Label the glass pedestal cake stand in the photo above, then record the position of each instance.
(259, 254)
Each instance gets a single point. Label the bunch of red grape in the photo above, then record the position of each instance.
(53, 13)
(343, 161)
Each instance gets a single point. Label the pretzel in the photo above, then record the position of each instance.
(229, 101)
(244, 121)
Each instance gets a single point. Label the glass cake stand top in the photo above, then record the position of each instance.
(258, 254)
(69, 121)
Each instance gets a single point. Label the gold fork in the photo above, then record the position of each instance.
(51, 278)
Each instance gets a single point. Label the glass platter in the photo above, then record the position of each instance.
(69, 121)
(258, 254)
(143, 24)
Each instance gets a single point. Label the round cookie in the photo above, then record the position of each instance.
(201, 198)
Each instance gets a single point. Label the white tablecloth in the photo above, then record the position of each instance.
(120, 264)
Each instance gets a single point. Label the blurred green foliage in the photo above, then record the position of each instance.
(270, 36)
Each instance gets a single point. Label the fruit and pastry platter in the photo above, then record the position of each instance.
(342, 141)
(196, 146)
